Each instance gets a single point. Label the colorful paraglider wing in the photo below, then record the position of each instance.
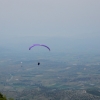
(39, 45)
(33, 46)
(46, 46)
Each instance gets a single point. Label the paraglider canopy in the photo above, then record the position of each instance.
(39, 45)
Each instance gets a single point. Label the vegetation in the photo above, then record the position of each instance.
(2, 97)
(60, 79)
(93, 92)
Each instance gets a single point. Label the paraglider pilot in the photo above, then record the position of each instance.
(38, 63)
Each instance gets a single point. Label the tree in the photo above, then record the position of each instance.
(2, 97)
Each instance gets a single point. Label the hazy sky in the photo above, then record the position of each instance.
(68, 24)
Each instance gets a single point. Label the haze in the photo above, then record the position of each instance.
(63, 25)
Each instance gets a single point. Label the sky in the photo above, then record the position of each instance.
(63, 25)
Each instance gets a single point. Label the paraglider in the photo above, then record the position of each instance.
(39, 45)
(38, 63)
(21, 64)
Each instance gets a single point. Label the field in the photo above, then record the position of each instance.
(56, 78)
